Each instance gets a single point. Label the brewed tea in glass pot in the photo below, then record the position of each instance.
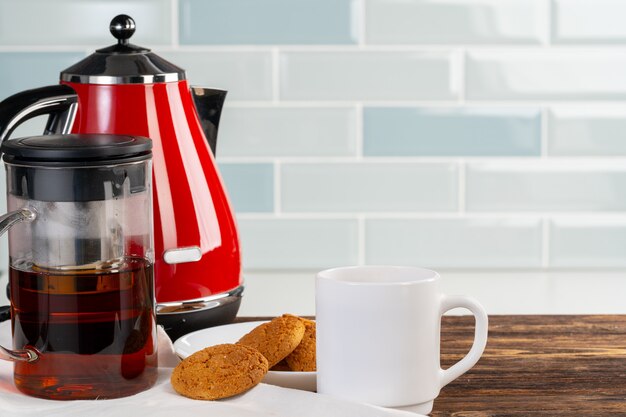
(81, 265)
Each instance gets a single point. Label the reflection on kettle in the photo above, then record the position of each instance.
(127, 89)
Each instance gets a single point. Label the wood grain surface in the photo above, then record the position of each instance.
(537, 366)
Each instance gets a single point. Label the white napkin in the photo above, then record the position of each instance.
(162, 401)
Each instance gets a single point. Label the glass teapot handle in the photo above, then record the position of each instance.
(24, 214)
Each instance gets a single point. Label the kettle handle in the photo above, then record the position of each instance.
(59, 101)
(209, 103)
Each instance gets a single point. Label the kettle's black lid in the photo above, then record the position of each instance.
(122, 63)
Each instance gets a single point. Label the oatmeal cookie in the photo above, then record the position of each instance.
(302, 359)
(275, 339)
(219, 371)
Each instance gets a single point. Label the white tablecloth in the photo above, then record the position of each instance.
(162, 401)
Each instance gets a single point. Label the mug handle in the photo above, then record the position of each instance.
(6, 221)
(449, 302)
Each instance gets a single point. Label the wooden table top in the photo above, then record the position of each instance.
(537, 366)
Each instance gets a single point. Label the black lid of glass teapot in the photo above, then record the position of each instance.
(76, 149)
(122, 63)
(76, 167)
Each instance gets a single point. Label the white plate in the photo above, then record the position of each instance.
(231, 333)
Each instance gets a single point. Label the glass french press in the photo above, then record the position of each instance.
(81, 262)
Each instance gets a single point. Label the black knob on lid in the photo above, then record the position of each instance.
(123, 62)
(122, 27)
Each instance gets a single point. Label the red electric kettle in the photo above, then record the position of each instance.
(126, 89)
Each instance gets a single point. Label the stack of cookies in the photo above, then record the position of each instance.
(289, 338)
(285, 343)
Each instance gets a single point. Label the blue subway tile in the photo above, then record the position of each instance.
(249, 186)
(267, 22)
(25, 70)
(444, 132)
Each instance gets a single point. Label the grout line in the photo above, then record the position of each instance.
(543, 135)
(462, 190)
(49, 48)
(359, 131)
(545, 242)
(297, 216)
(494, 271)
(290, 104)
(462, 79)
(215, 48)
(275, 75)
(175, 23)
(547, 40)
(604, 218)
(508, 163)
(349, 48)
(360, 22)
(277, 188)
(361, 240)
(342, 103)
(414, 47)
(513, 104)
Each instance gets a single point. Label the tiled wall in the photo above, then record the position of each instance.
(453, 133)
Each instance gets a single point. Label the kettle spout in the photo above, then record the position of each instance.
(209, 104)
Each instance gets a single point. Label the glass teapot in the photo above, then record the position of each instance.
(81, 265)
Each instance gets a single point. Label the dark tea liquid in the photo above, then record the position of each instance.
(95, 330)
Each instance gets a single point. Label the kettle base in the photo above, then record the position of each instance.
(181, 323)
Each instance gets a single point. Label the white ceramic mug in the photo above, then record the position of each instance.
(378, 332)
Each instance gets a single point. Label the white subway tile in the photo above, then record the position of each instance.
(588, 130)
(562, 74)
(369, 186)
(298, 244)
(82, 22)
(246, 75)
(281, 131)
(546, 185)
(265, 293)
(588, 242)
(455, 21)
(454, 243)
(358, 75)
(585, 21)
